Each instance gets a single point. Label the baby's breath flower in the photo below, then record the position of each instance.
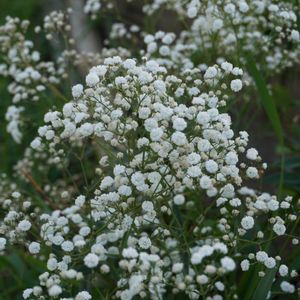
(24, 225)
(91, 260)
(247, 222)
(34, 248)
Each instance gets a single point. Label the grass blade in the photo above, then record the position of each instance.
(265, 97)
(264, 285)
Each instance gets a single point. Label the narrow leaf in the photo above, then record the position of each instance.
(264, 285)
(265, 97)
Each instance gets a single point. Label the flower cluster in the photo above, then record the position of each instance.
(137, 186)
(170, 153)
(267, 30)
(29, 75)
(22, 64)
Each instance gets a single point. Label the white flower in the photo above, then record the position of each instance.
(36, 143)
(179, 138)
(130, 253)
(204, 145)
(92, 79)
(202, 252)
(91, 260)
(152, 65)
(27, 293)
(24, 225)
(67, 246)
(150, 124)
(164, 50)
(52, 264)
(252, 172)
(283, 270)
(205, 182)
(85, 231)
(125, 190)
(211, 166)
(145, 77)
(194, 171)
(217, 24)
(273, 205)
(227, 67)
(159, 85)
(168, 38)
(202, 279)
(231, 158)
(86, 129)
(279, 228)
(80, 200)
(179, 124)
(247, 222)
(177, 268)
(236, 85)
(84, 295)
(287, 287)
(118, 170)
(229, 8)
(252, 154)
(144, 113)
(193, 158)
(34, 248)
(196, 258)
(16, 195)
(193, 8)
(147, 206)
(2, 243)
(99, 70)
(261, 256)
(54, 290)
(77, 90)
(203, 118)
(92, 7)
(156, 134)
(245, 265)
(192, 12)
(106, 182)
(220, 286)
(295, 35)
(145, 242)
(228, 263)
(270, 263)
(129, 64)
(243, 6)
(211, 72)
(179, 200)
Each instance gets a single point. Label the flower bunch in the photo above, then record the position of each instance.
(30, 77)
(266, 31)
(136, 185)
(169, 211)
(22, 64)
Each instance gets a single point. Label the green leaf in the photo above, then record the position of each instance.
(265, 97)
(264, 285)
(245, 291)
(290, 163)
